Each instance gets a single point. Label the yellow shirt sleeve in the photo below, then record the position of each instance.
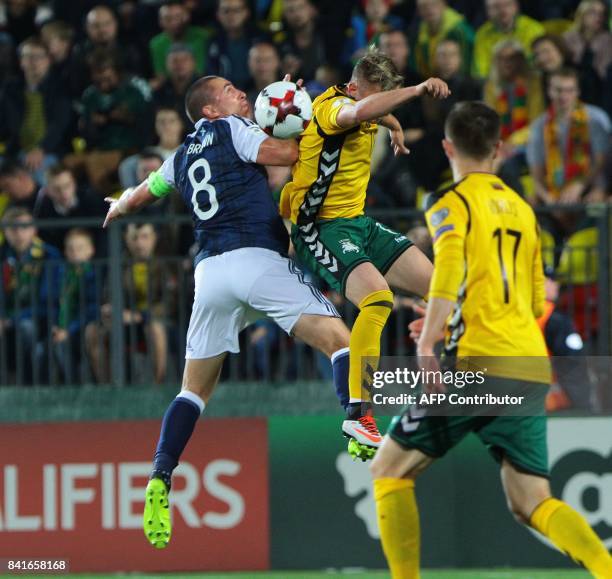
(539, 290)
(327, 113)
(284, 204)
(447, 222)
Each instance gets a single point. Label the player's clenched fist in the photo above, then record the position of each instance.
(434, 87)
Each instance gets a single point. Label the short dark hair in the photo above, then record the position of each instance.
(172, 3)
(60, 29)
(180, 47)
(11, 167)
(58, 169)
(32, 41)
(555, 39)
(15, 212)
(101, 59)
(473, 128)
(199, 95)
(150, 153)
(565, 72)
(79, 232)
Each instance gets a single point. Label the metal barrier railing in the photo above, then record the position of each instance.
(129, 317)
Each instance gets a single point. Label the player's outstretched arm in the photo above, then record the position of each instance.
(396, 133)
(381, 103)
(278, 152)
(130, 201)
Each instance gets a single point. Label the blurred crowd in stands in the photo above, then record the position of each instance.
(91, 102)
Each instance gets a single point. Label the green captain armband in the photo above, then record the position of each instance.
(158, 186)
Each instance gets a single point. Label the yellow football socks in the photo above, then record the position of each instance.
(374, 311)
(398, 522)
(571, 533)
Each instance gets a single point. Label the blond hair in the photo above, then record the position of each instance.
(582, 9)
(377, 68)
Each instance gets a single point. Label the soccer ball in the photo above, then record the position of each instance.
(283, 110)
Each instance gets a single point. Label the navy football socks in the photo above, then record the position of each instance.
(176, 430)
(340, 369)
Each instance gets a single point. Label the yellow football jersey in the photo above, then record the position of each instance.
(332, 173)
(488, 258)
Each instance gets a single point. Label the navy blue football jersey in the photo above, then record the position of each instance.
(215, 172)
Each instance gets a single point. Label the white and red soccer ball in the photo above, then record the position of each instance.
(283, 110)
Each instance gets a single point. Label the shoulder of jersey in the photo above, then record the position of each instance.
(244, 120)
(437, 195)
(333, 92)
(248, 123)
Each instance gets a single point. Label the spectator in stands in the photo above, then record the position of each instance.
(62, 198)
(589, 41)
(102, 31)
(393, 180)
(58, 38)
(234, 36)
(326, 75)
(6, 57)
(394, 43)
(18, 187)
(504, 23)
(31, 272)
(301, 45)
(181, 74)
(144, 307)
(174, 20)
(35, 112)
(20, 18)
(429, 159)
(567, 144)
(366, 29)
(114, 120)
(170, 130)
(78, 303)
(440, 22)
(515, 92)
(449, 67)
(549, 55)
(590, 45)
(264, 68)
(149, 161)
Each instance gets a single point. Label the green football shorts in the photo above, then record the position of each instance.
(519, 439)
(331, 249)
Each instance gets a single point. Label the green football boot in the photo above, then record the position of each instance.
(156, 516)
(360, 451)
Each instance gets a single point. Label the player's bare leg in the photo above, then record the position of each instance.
(199, 380)
(368, 290)
(95, 340)
(394, 470)
(411, 272)
(326, 334)
(158, 342)
(530, 501)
